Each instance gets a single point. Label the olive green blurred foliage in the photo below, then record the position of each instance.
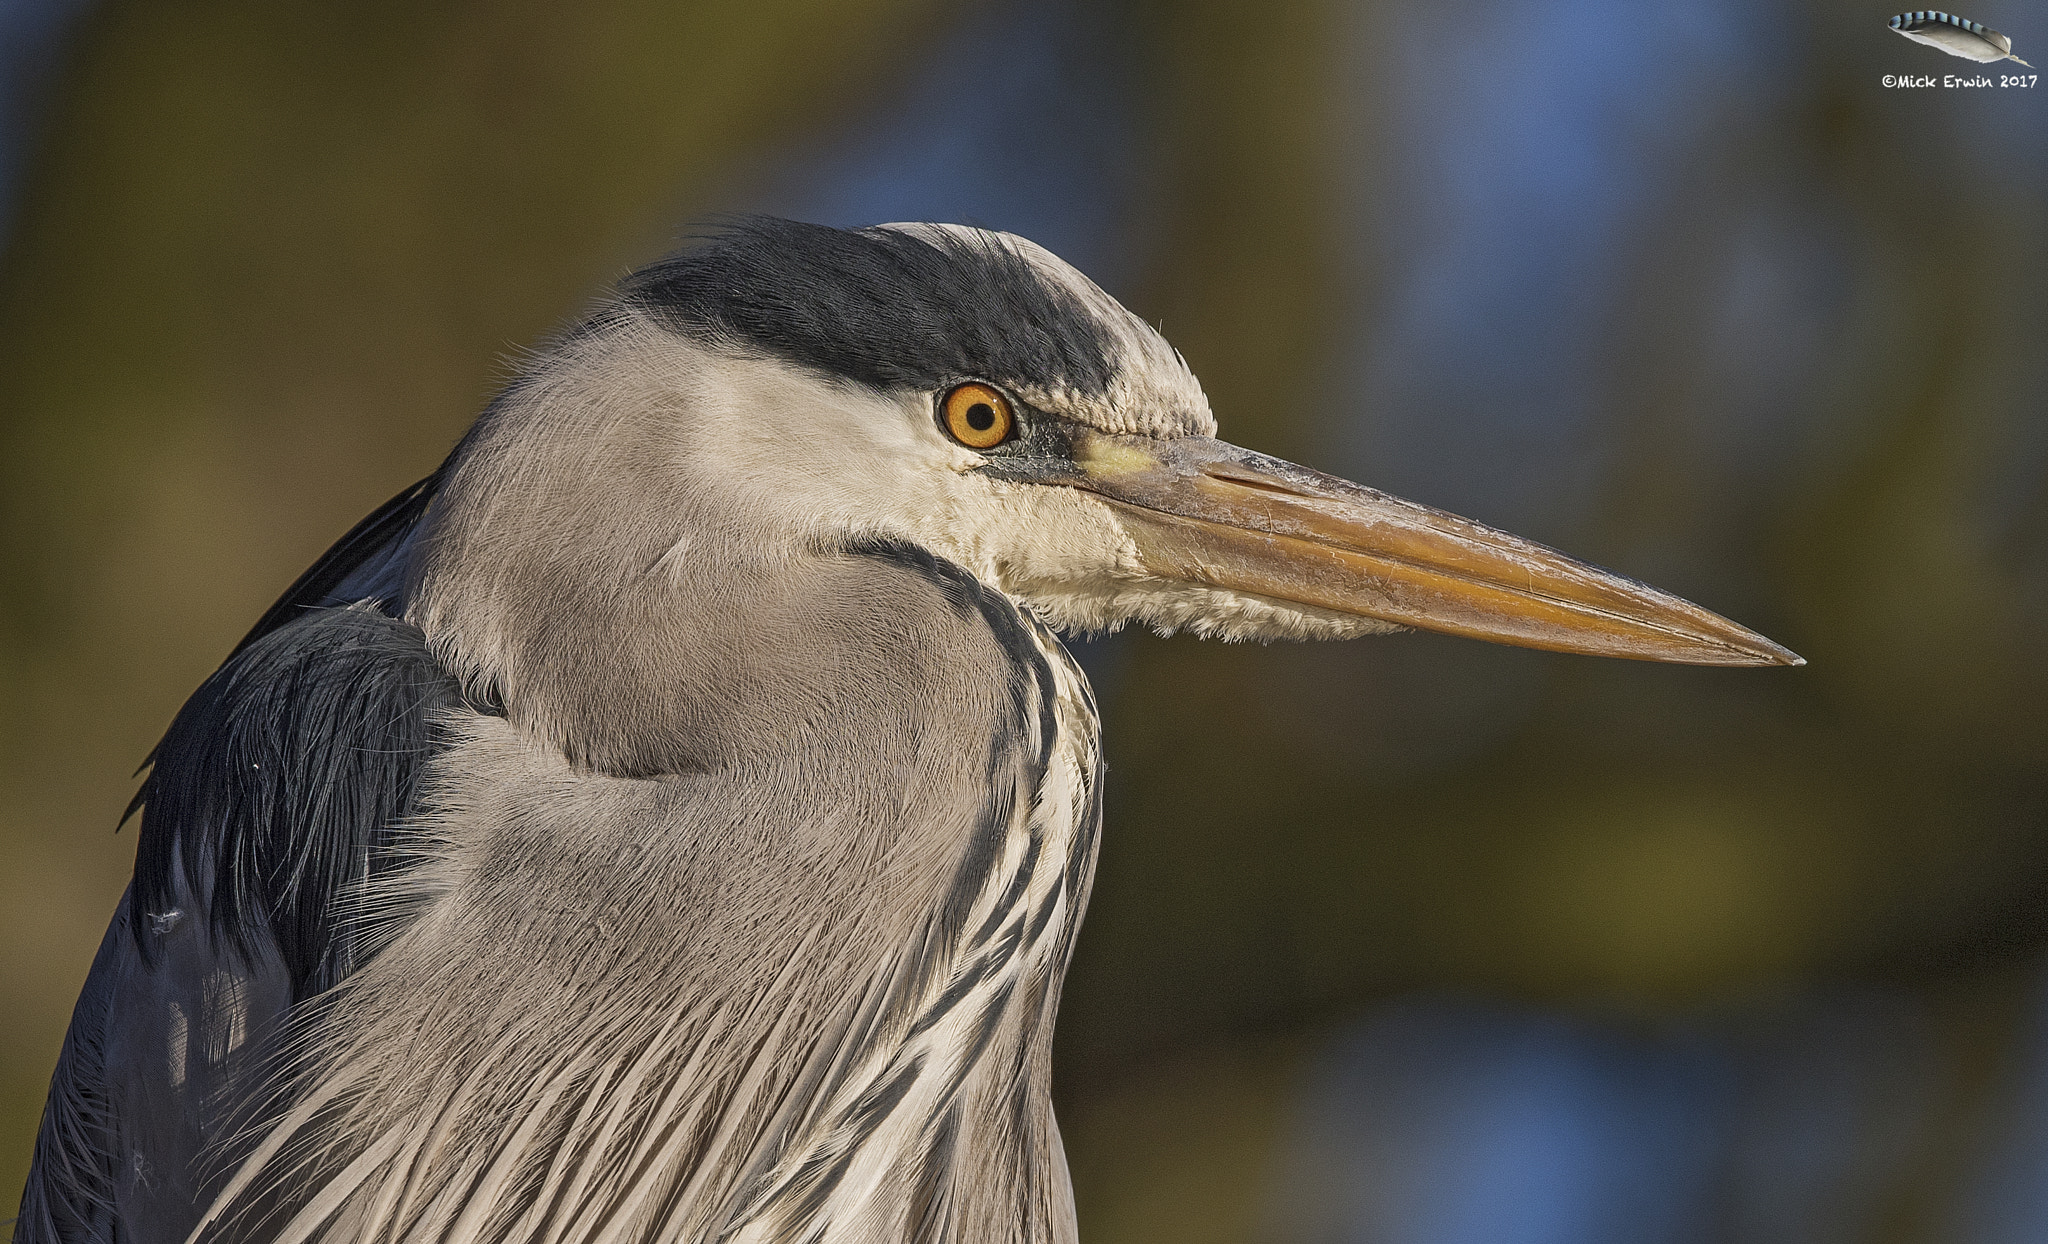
(273, 258)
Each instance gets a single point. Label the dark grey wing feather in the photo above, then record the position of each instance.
(70, 1195)
(271, 801)
(279, 783)
(145, 1085)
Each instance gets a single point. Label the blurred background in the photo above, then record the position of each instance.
(1412, 940)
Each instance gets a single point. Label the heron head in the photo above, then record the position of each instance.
(787, 389)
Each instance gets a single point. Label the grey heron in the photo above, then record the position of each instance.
(672, 818)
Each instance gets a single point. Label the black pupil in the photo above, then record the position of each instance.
(981, 416)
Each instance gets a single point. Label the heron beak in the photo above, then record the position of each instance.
(1207, 512)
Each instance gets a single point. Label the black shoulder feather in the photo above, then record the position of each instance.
(193, 784)
(279, 784)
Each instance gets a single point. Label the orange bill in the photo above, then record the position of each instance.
(1205, 511)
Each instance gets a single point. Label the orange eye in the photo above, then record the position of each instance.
(977, 416)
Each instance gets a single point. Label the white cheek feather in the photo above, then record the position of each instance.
(788, 452)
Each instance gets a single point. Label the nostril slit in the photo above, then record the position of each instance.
(1261, 485)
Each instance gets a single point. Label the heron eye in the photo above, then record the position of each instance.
(978, 416)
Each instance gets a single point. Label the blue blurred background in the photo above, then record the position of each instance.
(1412, 940)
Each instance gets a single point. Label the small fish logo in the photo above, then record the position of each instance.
(1955, 35)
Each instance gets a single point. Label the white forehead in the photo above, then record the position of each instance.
(1151, 390)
